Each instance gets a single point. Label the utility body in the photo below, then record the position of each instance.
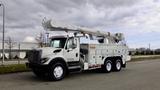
(68, 54)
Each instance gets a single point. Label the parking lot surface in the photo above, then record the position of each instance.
(140, 75)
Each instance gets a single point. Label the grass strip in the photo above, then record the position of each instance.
(13, 68)
(145, 57)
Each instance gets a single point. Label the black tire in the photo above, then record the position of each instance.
(107, 67)
(38, 73)
(117, 65)
(52, 72)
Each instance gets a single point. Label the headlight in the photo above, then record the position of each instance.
(43, 60)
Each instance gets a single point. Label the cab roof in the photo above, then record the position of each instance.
(52, 37)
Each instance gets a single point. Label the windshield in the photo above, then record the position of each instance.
(57, 42)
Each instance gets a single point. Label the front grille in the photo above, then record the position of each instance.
(34, 56)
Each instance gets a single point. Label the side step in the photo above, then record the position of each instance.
(75, 69)
(75, 63)
(74, 66)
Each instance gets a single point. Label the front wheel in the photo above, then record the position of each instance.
(57, 71)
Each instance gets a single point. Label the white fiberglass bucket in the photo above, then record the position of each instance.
(22, 55)
(14, 54)
(6, 55)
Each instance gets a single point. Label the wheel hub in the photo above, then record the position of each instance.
(108, 66)
(118, 65)
(58, 71)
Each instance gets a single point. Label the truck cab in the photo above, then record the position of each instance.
(66, 48)
(62, 51)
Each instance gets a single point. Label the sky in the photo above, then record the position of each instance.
(139, 20)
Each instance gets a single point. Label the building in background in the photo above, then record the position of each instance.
(18, 49)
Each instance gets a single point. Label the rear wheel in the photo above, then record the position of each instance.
(57, 72)
(117, 65)
(107, 66)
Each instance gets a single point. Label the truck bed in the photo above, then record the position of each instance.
(96, 53)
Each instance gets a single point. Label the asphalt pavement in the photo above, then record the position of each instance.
(139, 75)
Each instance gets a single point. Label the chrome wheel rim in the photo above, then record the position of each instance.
(108, 66)
(58, 71)
(118, 65)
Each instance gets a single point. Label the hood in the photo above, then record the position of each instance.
(46, 51)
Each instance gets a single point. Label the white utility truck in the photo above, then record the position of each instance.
(68, 54)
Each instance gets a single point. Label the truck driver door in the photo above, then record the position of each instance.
(71, 51)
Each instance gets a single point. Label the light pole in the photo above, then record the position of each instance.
(1, 4)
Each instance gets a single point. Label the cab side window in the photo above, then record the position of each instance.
(71, 43)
